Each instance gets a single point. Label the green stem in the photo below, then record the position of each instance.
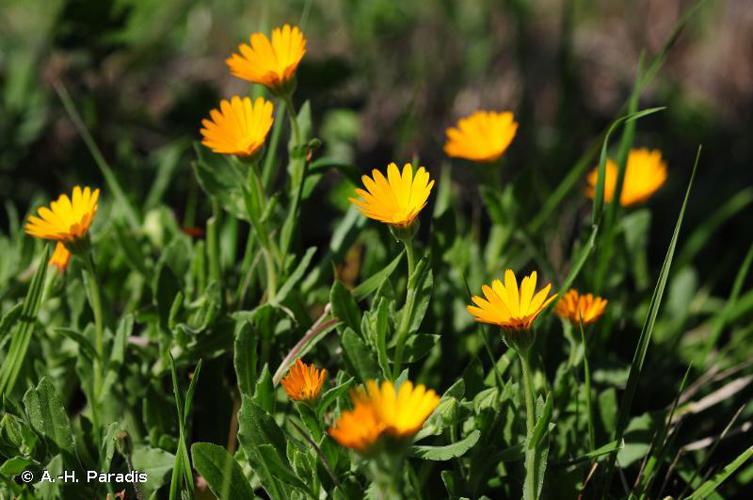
(529, 489)
(267, 248)
(95, 302)
(297, 178)
(213, 244)
(410, 298)
(587, 376)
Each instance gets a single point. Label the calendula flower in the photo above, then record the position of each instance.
(358, 429)
(304, 382)
(271, 63)
(404, 411)
(481, 137)
(239, 127)
(380, 410)
(397, 199)
(67, 220)
(507, 306)
(578, 308)
(61, 257)
(645, 173)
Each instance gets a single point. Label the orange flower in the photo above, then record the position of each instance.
(578, 308)
(304, 382)
(481, 137)
(645, 173)
(61, 257)
(509, 307)
(239, 128)
(271, 63)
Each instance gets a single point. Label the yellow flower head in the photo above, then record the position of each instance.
(482, 136)
(397, 199)
(382, 411)
(304, 382)
(239, 127)
(61, 257)
(578, 308)
(271, 63)
(509, 307)
(67, 219)
(645, 173)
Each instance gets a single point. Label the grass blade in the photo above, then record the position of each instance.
(648, 326)
(721, 320)
(712, 484)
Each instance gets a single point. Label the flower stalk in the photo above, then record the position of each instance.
(531, 458)
(410, 299)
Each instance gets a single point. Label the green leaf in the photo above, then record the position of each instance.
(543, 417)
(264, 393)
(359, 355)
(219, 179)
(375, 280)
(418, 346)
(448, 452)
(156, 463)
(344, 306)
(330, 396)
(47, 414)
(296, 275)
(245, 358)
(14, 358)
(220, 470)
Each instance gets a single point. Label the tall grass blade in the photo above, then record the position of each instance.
(648, 326)
(110, 178)
(712, 484)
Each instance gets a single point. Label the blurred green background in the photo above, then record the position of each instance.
(385, 79)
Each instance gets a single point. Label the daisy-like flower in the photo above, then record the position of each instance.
(481, 137)
(509, 307)
(645, 173)
(397, 199)
(239, 127)
(358, 429)
(271, 63)
(577, 308)
(67, 220)
(380, 410)
(304, 382)
(61, 257)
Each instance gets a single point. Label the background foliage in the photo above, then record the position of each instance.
(383, 80)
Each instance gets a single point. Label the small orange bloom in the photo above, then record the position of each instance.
(61, 257)
(271, 63)
(578, 308)
(304, 382)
